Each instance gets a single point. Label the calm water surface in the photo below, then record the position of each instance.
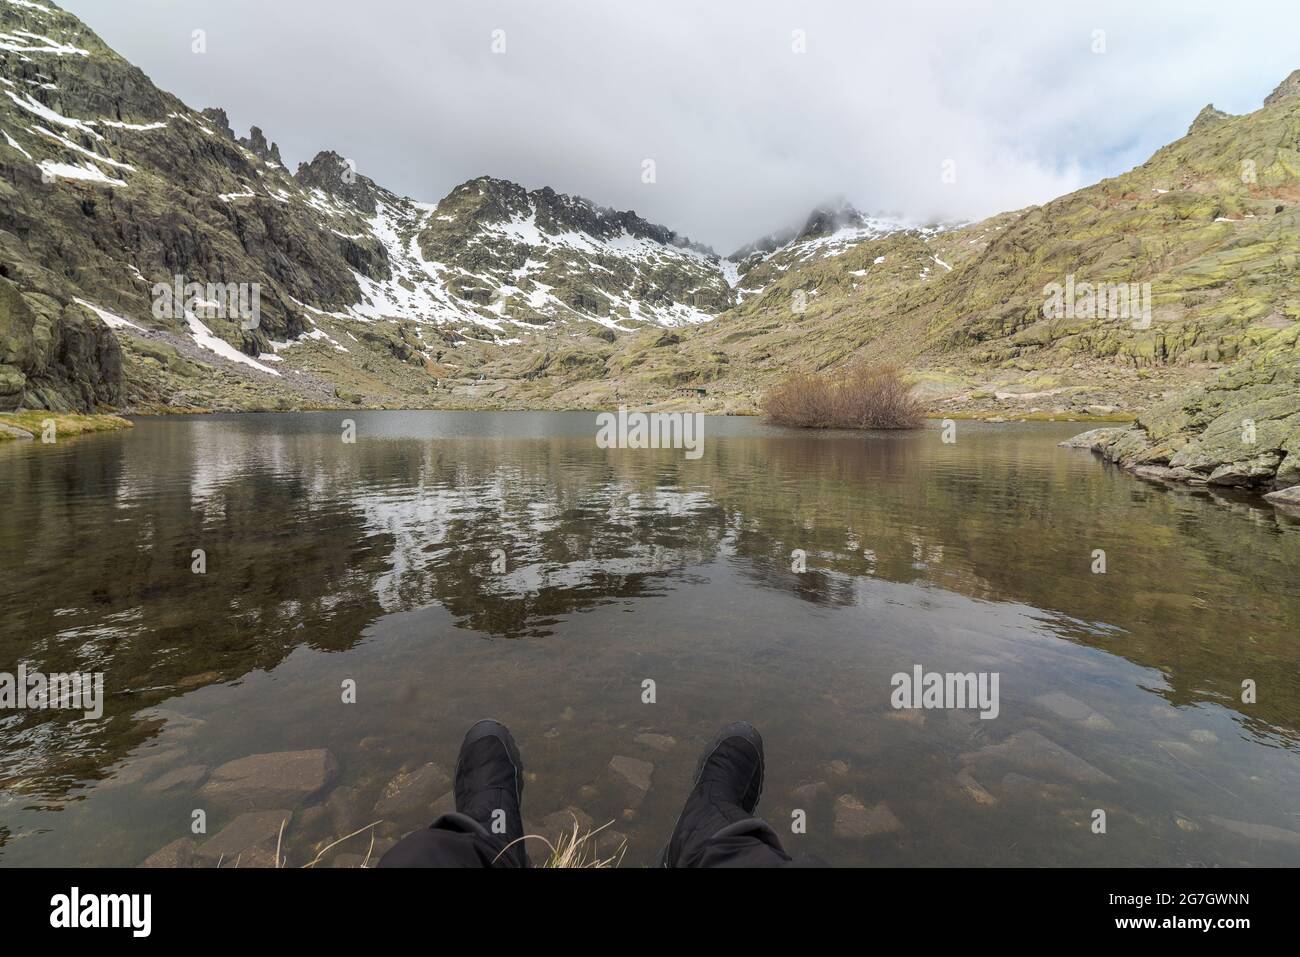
(374, 562)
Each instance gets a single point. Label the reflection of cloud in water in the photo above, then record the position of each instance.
(438, 534)
(211, 455)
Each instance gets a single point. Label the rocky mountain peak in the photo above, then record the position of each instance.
(496, 200)
(830, 218)
(1287, 89)
(823, 223)
(256, 144)
(220, 121)
(764, 245)
(487, 199)
(332, 174)
(1208, 117)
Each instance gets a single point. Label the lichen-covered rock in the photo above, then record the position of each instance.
(1285, 498)
(50, 350)
(1247, 473)
(1094, 439)
(1287, 89)
(1241, 429)
(1208, 117)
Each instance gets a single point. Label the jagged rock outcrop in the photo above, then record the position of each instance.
(1207, 118)
(54, 357)
(256, 143)
(220, 121)
(332, 174)
(830, 218)
(110, 188)
(1287, 89)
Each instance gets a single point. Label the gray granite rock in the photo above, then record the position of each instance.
(285, 778)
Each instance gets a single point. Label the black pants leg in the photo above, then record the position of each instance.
(745, 843)
(453, 840)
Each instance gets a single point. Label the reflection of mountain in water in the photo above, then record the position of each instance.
(566, 537)
(309, 540)
(106, 584)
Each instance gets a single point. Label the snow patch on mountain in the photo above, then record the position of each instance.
(139, 127)
(416, 289)
(87, 172)
(110, 319)
(15, 144)
(205, 339)
(44, 112)
(22, 41)
(78, 148)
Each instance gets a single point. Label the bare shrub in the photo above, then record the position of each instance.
(861, 396)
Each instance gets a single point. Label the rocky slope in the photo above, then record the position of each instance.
(1242, 429)
(110, 187)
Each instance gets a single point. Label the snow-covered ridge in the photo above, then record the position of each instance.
(515, 283)
(519, 262)
(509, 263)
(844, 239)
(516, 263)
(416, 289)
(427, 290)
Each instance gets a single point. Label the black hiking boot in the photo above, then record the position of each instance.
(490, 786)
(728, 783)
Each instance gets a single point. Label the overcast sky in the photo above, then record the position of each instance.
(746, 133)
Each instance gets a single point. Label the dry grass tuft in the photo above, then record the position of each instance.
(321, 853)
(574, 850)
(569, 850)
